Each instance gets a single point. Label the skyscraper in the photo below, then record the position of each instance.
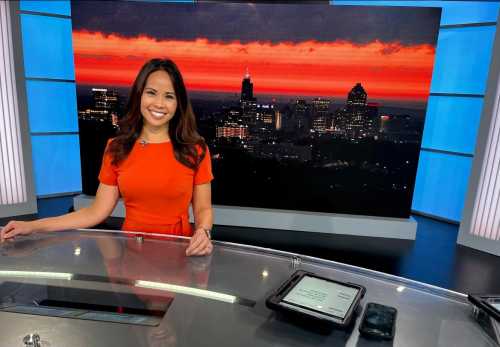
(248, 102)
(105, 99)
(320, 113)
(357, 96)
(358, 119)
(247, 88)
(105, 106)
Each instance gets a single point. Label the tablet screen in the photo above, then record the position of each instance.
(327, 297)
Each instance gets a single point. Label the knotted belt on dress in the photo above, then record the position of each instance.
(175, 225)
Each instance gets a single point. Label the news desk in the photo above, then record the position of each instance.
(101, 288)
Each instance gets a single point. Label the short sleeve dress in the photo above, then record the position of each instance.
(155, 187)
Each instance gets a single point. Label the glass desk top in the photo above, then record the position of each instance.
(101, 288)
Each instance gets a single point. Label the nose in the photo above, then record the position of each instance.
(159, 102)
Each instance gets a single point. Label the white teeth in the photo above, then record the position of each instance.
(157, 114)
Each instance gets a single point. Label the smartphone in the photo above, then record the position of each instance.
(379, 321)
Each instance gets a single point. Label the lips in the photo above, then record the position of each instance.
(157, 114)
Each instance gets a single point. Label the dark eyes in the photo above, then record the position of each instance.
(168, 96)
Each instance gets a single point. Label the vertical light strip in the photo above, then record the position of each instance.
(12, 180)
(486, 214)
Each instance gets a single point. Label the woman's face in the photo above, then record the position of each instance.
(158, 100)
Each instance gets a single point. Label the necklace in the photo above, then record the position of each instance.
(143, 142)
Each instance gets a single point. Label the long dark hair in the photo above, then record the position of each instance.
(189, 146)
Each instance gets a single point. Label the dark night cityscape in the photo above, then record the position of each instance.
(311, 154)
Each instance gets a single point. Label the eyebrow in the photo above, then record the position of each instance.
(168, 93)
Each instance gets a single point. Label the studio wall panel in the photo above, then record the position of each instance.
(61, 7)
(441, 184)
(480, 227)
(454, 12)
(56, 164)
(52, 106)
(459, 66)
(12, 164)
(451, 123)
(17, 196)
(47, 47)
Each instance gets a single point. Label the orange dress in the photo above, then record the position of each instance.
(156, 188)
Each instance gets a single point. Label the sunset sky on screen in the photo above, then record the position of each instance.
(310, 64)
(307, 68)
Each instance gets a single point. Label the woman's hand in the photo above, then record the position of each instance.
(14, 228)
(200, 244)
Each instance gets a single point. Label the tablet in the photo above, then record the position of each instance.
(317, 298)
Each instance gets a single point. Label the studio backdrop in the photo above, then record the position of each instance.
(306, 107)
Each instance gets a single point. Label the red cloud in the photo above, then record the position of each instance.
(311, 68)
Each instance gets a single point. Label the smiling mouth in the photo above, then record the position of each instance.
(157, 114)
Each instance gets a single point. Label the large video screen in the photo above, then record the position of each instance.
(304, 107)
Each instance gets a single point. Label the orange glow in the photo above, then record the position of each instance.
(387, 71)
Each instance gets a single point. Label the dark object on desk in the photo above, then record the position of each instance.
(486, 312)
(488, 302)
(378, 322)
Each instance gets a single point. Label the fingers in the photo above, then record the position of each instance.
(195, 242)
(200, 244)
(7, 231)
(203, 249)
(14, 228)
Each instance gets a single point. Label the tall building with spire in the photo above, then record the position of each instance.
(248, 102)
(247, 88)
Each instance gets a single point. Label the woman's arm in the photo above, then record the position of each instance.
(104, 203)
(200, 243)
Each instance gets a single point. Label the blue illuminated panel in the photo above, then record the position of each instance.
(56, 164)
(454, 12)
(451, 123)
(462, 60)
(47, 47)
(441, 184)
(52, 106)
(62, 7)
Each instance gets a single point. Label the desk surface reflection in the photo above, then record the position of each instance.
(99, 288)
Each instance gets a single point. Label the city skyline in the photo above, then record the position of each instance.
(282, 97)
(357, 119)
(297, 133)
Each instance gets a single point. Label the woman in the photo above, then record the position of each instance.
(158, 163)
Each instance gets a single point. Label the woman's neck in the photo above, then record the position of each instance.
(154, 135)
